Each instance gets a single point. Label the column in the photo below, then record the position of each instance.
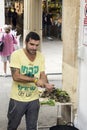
(70, 24)
(2, 13)
(33, 16)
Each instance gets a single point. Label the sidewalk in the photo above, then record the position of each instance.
(53, 55)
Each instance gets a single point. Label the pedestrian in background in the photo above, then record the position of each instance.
(28, 73)
(9, 14)
(44, 22)
(14, 19)
(59, 27)
(9, 42)
(49, 24)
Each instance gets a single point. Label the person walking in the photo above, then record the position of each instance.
(49, 24)
(9, 42)
(59, 27)
(9, 14)
(28, 73)
(44, 23)
(14, 19)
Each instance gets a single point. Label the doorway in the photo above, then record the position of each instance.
(18, 5)
(52, 15)
(52, 47)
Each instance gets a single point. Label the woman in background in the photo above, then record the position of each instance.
(9, 41)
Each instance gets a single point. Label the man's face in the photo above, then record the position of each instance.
(32, 46)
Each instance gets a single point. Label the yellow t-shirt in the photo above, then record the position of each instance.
(26, 91)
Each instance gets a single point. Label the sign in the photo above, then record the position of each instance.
(85, 14)
(2, 12)
(85, 23)
(85, 35)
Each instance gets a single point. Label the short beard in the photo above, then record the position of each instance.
(30, 52)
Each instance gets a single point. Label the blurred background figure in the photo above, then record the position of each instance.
(9, 41)
(44, 22)
(59, 27)
(9, 14)
(14, 19)
(49, 24)
(13, 31)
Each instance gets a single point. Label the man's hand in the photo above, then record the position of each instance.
(40, 83)
(49, 87)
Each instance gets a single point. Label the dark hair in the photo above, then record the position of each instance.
(32, 35)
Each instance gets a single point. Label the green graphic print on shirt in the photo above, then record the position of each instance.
(29, 71)
(27, 90)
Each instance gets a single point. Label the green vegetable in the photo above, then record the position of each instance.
(58, 95)
(48, 102)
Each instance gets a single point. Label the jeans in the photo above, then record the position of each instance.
(16, 111)
(49, 30)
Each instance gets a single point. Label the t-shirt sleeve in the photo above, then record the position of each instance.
(15, 60)
(42, 67)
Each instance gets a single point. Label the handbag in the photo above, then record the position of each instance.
(1, 44)
(68, 126)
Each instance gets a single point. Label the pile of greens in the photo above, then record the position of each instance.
(58, 95)
(48, 102)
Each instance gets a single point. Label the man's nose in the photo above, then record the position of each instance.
(35, 47)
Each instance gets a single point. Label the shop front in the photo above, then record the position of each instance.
(56, 9)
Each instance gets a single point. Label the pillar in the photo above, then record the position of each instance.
(70, 25)
(33, 16)
(2, 13)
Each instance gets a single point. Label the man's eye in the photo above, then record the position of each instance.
(31, 44)
(37, 45)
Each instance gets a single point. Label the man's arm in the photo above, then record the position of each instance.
(41, 82)
(43, 77)
(44, 82)
(19, 77)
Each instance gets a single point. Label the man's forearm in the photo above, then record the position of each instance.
(20, 77)
(23, 78)
(44, 78)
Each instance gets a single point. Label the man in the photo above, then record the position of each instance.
(27, 68)
(44, 22)
(49, 24)
(9, 14)
(14, 19)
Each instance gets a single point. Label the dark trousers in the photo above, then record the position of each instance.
(16, 111)
(49, 30)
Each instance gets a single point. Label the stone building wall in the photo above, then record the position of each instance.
(70, 25)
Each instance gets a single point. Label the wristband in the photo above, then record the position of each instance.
(35, 81)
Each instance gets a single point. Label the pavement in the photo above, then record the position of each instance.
(52, 51)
